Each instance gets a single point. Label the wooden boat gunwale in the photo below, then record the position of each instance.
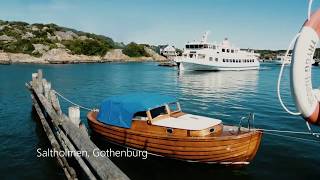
(226, 144)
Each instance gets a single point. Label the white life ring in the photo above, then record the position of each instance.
(301, 82)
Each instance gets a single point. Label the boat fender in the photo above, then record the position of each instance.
(306, 99)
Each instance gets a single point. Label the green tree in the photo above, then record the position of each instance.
(135, 50)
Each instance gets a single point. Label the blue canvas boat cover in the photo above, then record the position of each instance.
(119, 110)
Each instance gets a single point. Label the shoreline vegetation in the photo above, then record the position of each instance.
(21, 42)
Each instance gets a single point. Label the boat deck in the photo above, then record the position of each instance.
(188, 122)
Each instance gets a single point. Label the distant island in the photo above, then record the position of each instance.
(272, 54)
(21, 42)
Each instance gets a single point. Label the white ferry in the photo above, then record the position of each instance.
(282, 58)
(204, 56)
(287, 60)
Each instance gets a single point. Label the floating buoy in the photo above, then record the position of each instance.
(306, 99)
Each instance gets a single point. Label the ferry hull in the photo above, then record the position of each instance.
(225, 148)
(192, 66)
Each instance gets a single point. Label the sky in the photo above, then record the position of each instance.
(257, 24)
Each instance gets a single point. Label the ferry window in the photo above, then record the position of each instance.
(233, 60)
(196, 46)
(158, 111)
(205, 46)
(187, 46)
(210, 58)
(201, 56)
(227, 60)
(232, 51)
(228, 50)
(213, 47)
(201, 46)
(191, 46)
(223, 50)
(217, 59)
(224, 60)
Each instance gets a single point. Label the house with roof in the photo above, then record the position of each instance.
(167, 50)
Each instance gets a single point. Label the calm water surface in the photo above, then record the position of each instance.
(224, 95)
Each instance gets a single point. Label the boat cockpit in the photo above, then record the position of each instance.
(170, 115)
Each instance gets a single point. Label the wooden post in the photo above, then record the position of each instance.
(40, 74)
(39, 81)
(34, 79)
(55, 102)
(74, 115)
(46, 88)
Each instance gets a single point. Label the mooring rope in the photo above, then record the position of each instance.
(292, 137)
(281, 72)
(280, 77)
(266, 131)
(289, 132)
(309, 8)
(66, 99)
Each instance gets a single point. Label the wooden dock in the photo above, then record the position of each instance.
(67, 133)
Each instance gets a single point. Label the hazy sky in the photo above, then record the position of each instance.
(263, 24)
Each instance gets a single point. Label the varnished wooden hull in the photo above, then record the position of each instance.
(221, 147)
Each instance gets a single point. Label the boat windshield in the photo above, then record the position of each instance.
(174, 107)
(163, 110)
(160, 111)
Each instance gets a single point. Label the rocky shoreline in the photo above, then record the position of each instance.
(62, 56)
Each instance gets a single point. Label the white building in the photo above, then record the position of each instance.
(168, 50)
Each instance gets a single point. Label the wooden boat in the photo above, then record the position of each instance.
(158, 125)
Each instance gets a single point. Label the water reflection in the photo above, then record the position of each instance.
(223, 84)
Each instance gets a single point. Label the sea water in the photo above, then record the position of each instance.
(224, 95)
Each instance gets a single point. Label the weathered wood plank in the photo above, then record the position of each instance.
(70, 147)
(69, 171)
(102, 166)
